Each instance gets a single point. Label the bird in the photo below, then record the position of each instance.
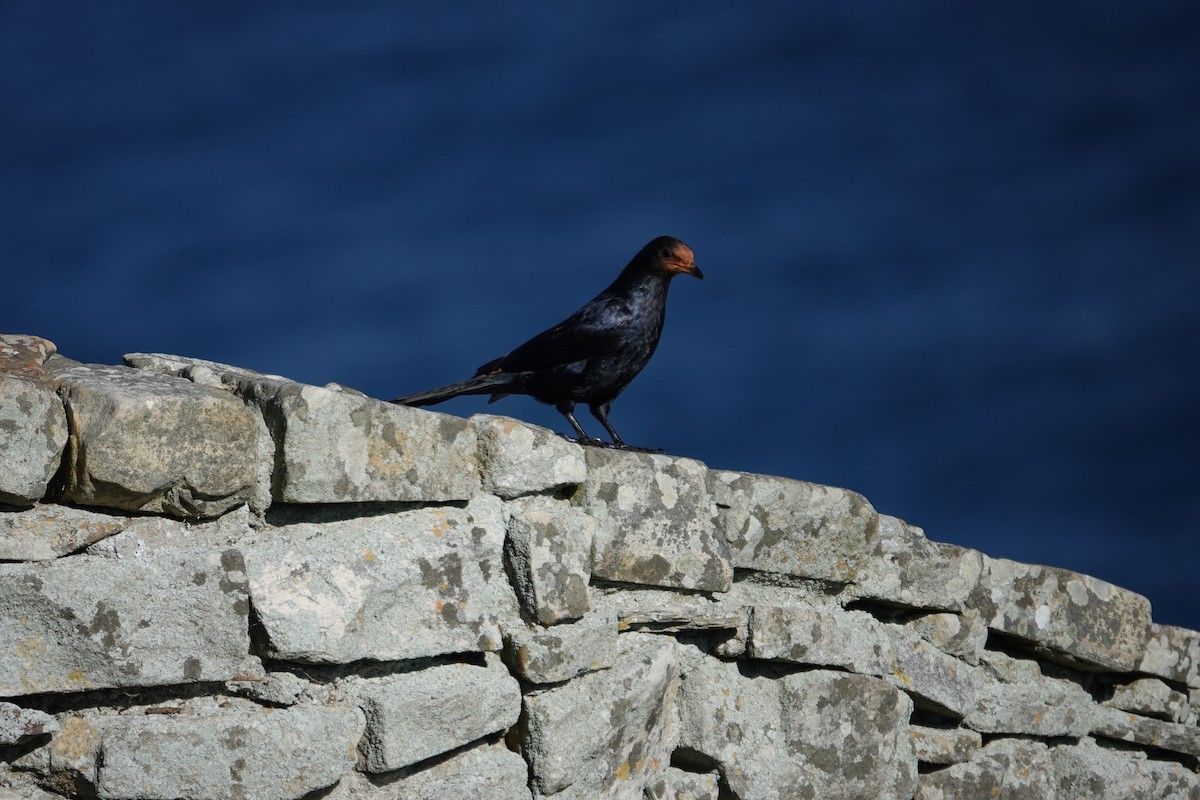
(592, 355)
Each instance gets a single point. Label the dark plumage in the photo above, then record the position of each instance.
(591, 356)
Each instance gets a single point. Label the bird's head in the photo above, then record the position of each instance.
(671, 256)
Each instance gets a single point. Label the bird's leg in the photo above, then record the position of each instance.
(567, 409)
(600, 412)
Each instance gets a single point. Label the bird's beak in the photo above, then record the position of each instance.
(696, 271)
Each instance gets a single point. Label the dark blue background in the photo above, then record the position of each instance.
(951, 250)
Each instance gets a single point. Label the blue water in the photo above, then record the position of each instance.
(951, 250)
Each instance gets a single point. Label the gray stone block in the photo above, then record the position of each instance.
(483, 772)
(1012, 769)
(50, 531)
(1113, 723)
(549, 548)
(1016, 698)
(337, 446)
(413, 716)
(33, 425)
(654, 521)
(230, 753)
(143, 536)
(793, 527)
(961, 635)
(155, 443)
(1150, 697)
(386, 587)
(606, 733)
(944, 745)
(19, 724)
(1172, 653)
(858, 642)
(87, 623)
(564, 651)
(818, 734)
(676, 784)
(516, 458)
(1088, 771)
(1083, 620)
(910, 570)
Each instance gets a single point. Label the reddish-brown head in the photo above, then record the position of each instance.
(668, 254)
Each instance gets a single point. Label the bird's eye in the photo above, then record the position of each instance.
(666, 252)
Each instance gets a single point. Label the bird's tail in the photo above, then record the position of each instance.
(480, 384)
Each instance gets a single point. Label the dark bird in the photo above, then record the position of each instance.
(592, 355)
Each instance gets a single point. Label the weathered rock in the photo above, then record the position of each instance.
(33, 425)
(816, 734)
(483, 772)
(1172, 653)
(516, 458)
(909, 570)
(1016, 698)
(675, 784)
(50, 531)
(19, 724)
(412, 716)
(1090, 772)
(228, 753)
(86, 622)
(960, 635)
(1113, 723)
(856, 641)
(654, 522)
(336, 446)
(794, 528)
(387, 587)
(1083, 620)
(729, 625)
(276, 688)
(142, 536)
(608, 733)
(1012, 769)
(549, 548)
(145, 442)
(944, 745)
(564, 651)
(1150, 697)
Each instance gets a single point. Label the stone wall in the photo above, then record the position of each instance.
(222, 584)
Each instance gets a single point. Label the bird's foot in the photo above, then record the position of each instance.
(632, 449)
(586, 441)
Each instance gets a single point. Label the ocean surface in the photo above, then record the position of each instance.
(952, 251)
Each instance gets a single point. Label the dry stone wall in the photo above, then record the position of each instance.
(221, 584)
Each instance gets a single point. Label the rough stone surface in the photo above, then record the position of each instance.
(145, 442)
(549, 551)
(1012, 769)
(794, 528)
(961, 635)
(142, 536)
(606, 733)
(87, 622)
(1113, 723)
(564, 651)
(1172, 653)
(676, 784)
(33, 425)
(858, 642)
(229, 753)
(51, 531)
(944, 745)
(1150, 697)
(1091, 772)
(1083, 619)
(654, 522)
(386, 587)
(413, 716)
(335, 446)
(816, 734)
(1016, 698)
(484, 772)
(912, 571)
(19, 724)
(516, 458)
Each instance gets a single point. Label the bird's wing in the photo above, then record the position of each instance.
(591, 331)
